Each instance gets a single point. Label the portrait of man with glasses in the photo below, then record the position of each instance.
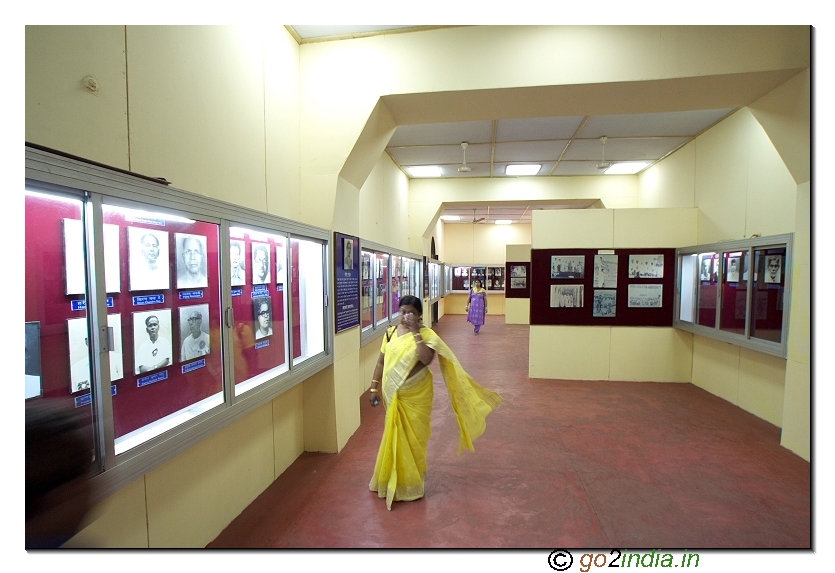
(263, 317)
(194, 331)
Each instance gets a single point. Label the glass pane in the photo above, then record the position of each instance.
(381, 272)
(308, 300)
(168, 320)
(769, 292)
(367, 291)
(708, 275)
(495, 278)
(58, 354)
(460, 278)
(734, 292)
(396, 282)
(258, 272)
(689, 272)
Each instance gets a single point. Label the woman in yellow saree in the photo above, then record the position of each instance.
(406, 385)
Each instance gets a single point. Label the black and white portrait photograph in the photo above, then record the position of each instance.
(74, 257)
(80, 355)
(604, 304)
(152, 348)
(732, 276)
(237, 262)
(644, 296)
(773, 269)
(148, 259)
(191, 261)
(260, 263)
(706, 268)
(518, 271)
(194, 331)
(605, 271)
(518, 282)
(570, 267)
(566, 296)
(280, 263)
(263, 308)
(646, 266)
(32, 366)
(347, 253)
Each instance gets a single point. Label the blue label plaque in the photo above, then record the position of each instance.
(81, 304)
(194, 365)
(237, 291)
(262, 344)
(148, 299)
(187, 294)
(145, 380)
(86, 399)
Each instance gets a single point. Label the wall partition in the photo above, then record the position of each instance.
(163, 314)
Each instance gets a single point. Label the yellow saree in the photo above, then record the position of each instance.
(401, 460)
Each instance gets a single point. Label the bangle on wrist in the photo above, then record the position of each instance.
(373, 390)
(375, 381)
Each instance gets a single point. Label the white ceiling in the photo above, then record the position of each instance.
(563, 146)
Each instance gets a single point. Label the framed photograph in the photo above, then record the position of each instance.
(80, 370)
(732, 274)
(260, 263)
(604, 304)
(280, 263)
(347, 253)
(646, 266)
(263, 309)
(566, 296)
(518, 282)
(32, 366)
(191, 261)
(644, 296)
(148, 265)
(152, 348)
(237, 262)
(74, 257)
(706, 271)
(570, 267)
(605, 271)
(518, 271)
(773, 269)
(194, 331)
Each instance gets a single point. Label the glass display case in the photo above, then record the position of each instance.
(386, 277)
(737, 291)
(462, 277)
(366, 290)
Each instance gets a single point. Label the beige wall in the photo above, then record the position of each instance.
(517, 310)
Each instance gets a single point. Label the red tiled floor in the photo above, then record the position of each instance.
(585, 464)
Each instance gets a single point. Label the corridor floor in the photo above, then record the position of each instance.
(573, 464)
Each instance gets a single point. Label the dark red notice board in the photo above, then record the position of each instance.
(517, 282)
(541, 282)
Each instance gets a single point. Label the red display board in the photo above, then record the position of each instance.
(518, 280)
(543, 313)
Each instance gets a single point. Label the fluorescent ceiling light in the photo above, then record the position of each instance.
(424, 171)
(503, 221)
(626, 168)
(450, 218)
(522, 169)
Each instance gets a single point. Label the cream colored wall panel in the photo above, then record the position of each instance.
(569, 352)
(669, 184)
(797, 422)
(518, 253)
(456, 303)
(118, 522)
(60, 112)
(320, 428)
(346, 343)
(288, 427)
(517, 311)
(318, 191)
(573, 229)
(761, 385)
(346, 380)
(722, 155)
(194, 496)
(802, 247)
(716, 367)
(196, 96)
(459, 244)
(282, 126)
(369, 354)
(800, 327)
(384, 205)
(772, 193)
(650, 228)
(650, 354)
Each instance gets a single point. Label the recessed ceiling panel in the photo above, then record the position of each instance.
(443, 133)
(499, 169)
(577, 168)
(652, 124)
(623, 149)
(537, 128)
(529, 151)
(440, 154)
(476, 170)
(308, 32)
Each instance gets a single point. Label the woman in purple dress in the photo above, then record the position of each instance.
(477, 306)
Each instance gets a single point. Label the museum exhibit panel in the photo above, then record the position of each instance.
(130, 294)
(462, 278)
(737, 291)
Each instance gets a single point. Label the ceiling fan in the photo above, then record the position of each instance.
(477, 220)
(464, 167)
(603, 164)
